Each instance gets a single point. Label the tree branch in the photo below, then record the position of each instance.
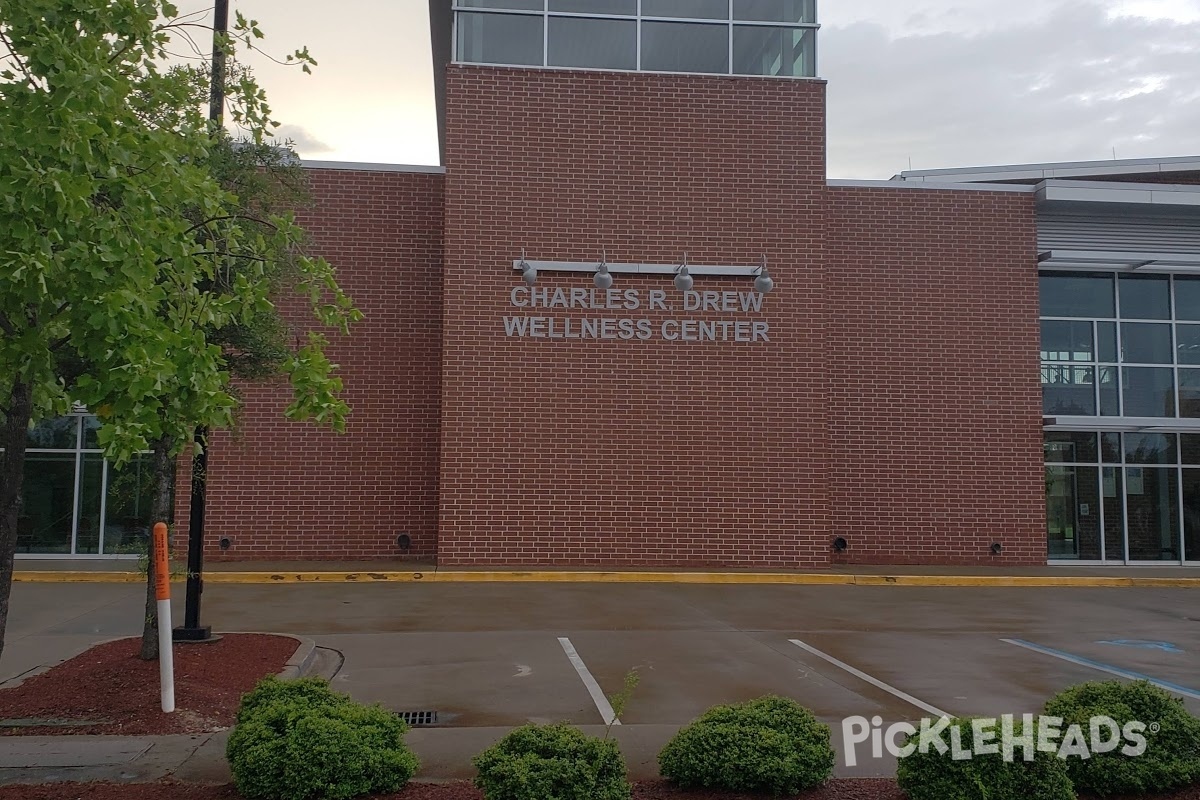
(17, 58)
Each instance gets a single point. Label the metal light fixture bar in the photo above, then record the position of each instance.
(636, 269)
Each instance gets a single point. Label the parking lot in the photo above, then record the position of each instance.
(487, 656)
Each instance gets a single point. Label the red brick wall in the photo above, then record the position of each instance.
(935, 399)
(607, 453)
(287, 490)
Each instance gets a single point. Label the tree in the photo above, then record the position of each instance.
(122, 257)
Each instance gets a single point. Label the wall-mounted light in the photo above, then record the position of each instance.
(840, 544)
(763, 282)
(683, 279)
(997, 548)
(603, 278)
(528, 272)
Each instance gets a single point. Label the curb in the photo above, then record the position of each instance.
(301, 662)
(731, 578)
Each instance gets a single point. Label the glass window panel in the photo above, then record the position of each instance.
(1076, 294)
(91, 426)
(1189, 447)
(91, 481)
(1068, 446)
(1068, 390)
(1191, 514)
(1187, 297)
(689, 9)
(1110, 392)
(1067, 341)
(1145, 343)
(1145, 296)
(500, 39)
(775, 10)
(785, 52)
(1148, 391)
(1106, 341)
(128, 505)
(625, 7)
(684, 47)
(599, 43)
(1152, 501)
(1150, 448)
(1189, 393)
(49, 504)
(59, 433)
(1110, 448)
(1073, 512)
(518, 5)
(1187, 343)
(1113, 491)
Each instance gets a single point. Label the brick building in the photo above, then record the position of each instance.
(886, 402)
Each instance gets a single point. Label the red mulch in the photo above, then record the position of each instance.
(651, 790)
(110, 683)
(846, 789)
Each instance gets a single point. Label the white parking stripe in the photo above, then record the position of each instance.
(602, 704)
(908, 698)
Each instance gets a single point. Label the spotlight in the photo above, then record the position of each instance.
(225, 543)
(763, 283)
(404, 541)
(997, 548)
(528, 273)
(603, 278)
(683, 281)
(840, 544)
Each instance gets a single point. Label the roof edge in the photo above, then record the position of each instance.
(372, 167)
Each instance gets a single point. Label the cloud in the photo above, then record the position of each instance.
(305, 143)
(1071, 84)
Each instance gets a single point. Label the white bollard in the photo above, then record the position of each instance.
(162, 593)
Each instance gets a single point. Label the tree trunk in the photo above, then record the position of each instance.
(164, 481)
(13, 435)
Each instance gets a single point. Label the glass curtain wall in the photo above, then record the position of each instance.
(721, 37)
(76, 502)
(1123, 496)
(1123, 348)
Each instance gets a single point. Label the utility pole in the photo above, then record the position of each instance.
(192, 630)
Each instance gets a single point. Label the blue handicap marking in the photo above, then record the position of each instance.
(1166, 647)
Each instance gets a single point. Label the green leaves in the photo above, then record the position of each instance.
(134, 246)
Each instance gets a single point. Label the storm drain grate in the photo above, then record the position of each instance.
(417, 718)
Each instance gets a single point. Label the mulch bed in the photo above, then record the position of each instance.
(109, 685)
(864, 789)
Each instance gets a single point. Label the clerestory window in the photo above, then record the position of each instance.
(718, 37)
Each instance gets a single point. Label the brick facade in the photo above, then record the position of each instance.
(279, 489)
(896, 403)
(935, 398)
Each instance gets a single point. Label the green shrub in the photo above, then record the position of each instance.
(304, 744)
(305, 691)
(767, 745)
(1172, 756)
(552, 762)
(932, 775)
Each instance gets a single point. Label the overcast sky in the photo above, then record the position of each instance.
(940, 83)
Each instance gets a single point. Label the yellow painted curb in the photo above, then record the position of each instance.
(728, 578)
(31, 576)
